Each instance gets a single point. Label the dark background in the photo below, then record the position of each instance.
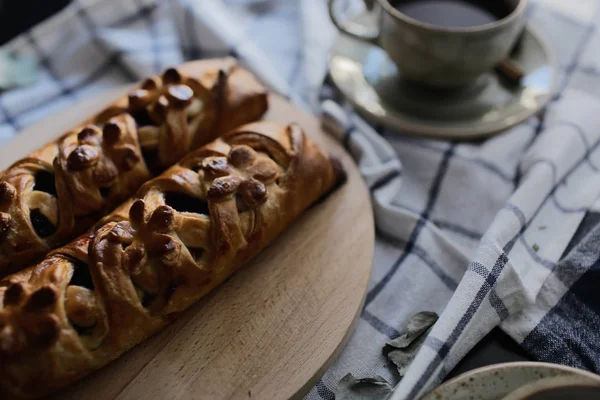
(19, 15)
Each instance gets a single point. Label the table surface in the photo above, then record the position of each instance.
(18, 16)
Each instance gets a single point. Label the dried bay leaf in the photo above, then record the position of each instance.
(351, 388)
(402, 350)
(402, 358)
(418, 324)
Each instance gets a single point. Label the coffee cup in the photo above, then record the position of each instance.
(441, 43)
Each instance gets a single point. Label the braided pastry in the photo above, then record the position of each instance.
(184, 233)
(61, 190)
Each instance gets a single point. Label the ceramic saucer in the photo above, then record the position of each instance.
(371, 82)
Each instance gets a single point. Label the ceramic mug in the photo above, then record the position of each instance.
(439, 56)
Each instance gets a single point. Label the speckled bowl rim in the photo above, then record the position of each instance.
(516, 364)
(548, 384)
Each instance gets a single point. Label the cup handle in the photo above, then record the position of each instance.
(357, 31)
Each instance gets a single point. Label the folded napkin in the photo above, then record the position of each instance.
(472, 231)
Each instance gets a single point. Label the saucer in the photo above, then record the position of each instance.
(371, 82)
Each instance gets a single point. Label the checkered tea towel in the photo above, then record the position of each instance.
(473, 231)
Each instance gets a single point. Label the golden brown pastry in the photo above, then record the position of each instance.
(185, 233)
(61, 190)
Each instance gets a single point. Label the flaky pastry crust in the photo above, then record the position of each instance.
(61, 190)
(183, 234)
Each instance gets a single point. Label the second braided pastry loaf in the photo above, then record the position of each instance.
(184, 234)
(61, 190)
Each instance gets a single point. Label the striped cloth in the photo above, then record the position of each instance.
(486, 234)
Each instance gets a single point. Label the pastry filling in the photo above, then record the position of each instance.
(80, 302)
(152, 161)
(104, 192)
(43, 214)
(142, 117)
(80, 305)
(197, 253)
(83, 311)
(41, 224)
(44, 182)
(145, 298)
(81, 275)
(185, 203)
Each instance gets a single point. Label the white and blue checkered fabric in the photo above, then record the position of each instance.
(477, 232)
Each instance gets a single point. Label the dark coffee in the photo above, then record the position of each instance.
(454, 13)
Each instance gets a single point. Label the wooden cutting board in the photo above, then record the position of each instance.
(269, 332)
